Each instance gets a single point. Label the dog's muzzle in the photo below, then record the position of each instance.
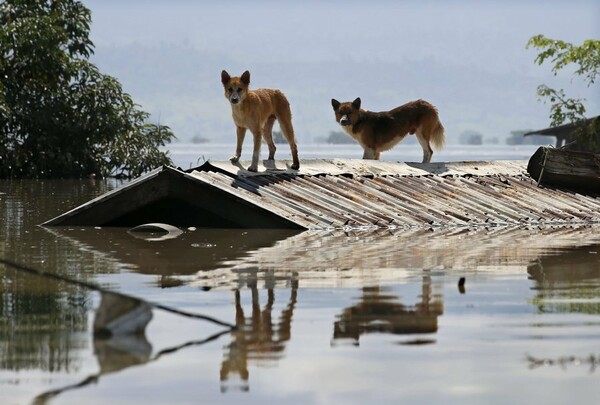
(234, 100)
(344, 121)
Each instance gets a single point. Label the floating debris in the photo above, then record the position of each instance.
(461, 285)
(155, 231)
(592, 361)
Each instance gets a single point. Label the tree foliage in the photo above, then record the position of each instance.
(586, 61)
(562, 108)
(561, 54)
(59, 115)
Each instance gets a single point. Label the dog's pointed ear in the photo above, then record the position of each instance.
(356, 103)
(225, 77)
(245, 78)
(335, 104)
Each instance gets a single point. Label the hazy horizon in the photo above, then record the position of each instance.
(467, 58)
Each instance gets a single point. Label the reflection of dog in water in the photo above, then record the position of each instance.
(379, 312)
(377, 132)
(256, 337)
(257, 111)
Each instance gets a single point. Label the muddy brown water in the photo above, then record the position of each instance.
(323, 317)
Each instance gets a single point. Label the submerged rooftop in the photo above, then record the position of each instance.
(337, 193)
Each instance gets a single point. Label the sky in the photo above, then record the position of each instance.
(468, 58)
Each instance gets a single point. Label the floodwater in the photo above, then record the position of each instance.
(322, 317)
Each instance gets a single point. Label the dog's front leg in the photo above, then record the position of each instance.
(241, 133)
(370, 154)
(256, 151)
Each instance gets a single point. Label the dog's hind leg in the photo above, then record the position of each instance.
(288, 131)
(284, 116)
(424, 142)
(241, 133)
(268, 136)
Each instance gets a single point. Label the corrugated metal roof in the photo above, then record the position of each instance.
(337, 193)
(343, 193)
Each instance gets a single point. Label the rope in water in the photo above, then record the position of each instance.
(94, 287)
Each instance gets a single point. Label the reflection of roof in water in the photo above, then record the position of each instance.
(230, 258)
(336, 259)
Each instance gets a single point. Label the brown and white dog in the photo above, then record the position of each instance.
(257, 111)
(377, 132)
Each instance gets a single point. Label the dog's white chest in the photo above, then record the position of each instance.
(238, 117)
(348, 130)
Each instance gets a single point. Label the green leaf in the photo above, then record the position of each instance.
(561, 54)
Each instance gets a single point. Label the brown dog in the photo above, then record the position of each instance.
(257, 111)
(377, 132)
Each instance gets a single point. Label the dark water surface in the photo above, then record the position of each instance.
(323, 317)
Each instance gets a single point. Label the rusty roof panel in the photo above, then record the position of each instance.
(383, 194)
(357, 194)
(375, 200)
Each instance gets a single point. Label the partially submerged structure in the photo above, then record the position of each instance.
(566, 133)
(336, 193)
(567, 169)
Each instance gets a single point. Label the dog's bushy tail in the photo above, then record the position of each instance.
(438, 139)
